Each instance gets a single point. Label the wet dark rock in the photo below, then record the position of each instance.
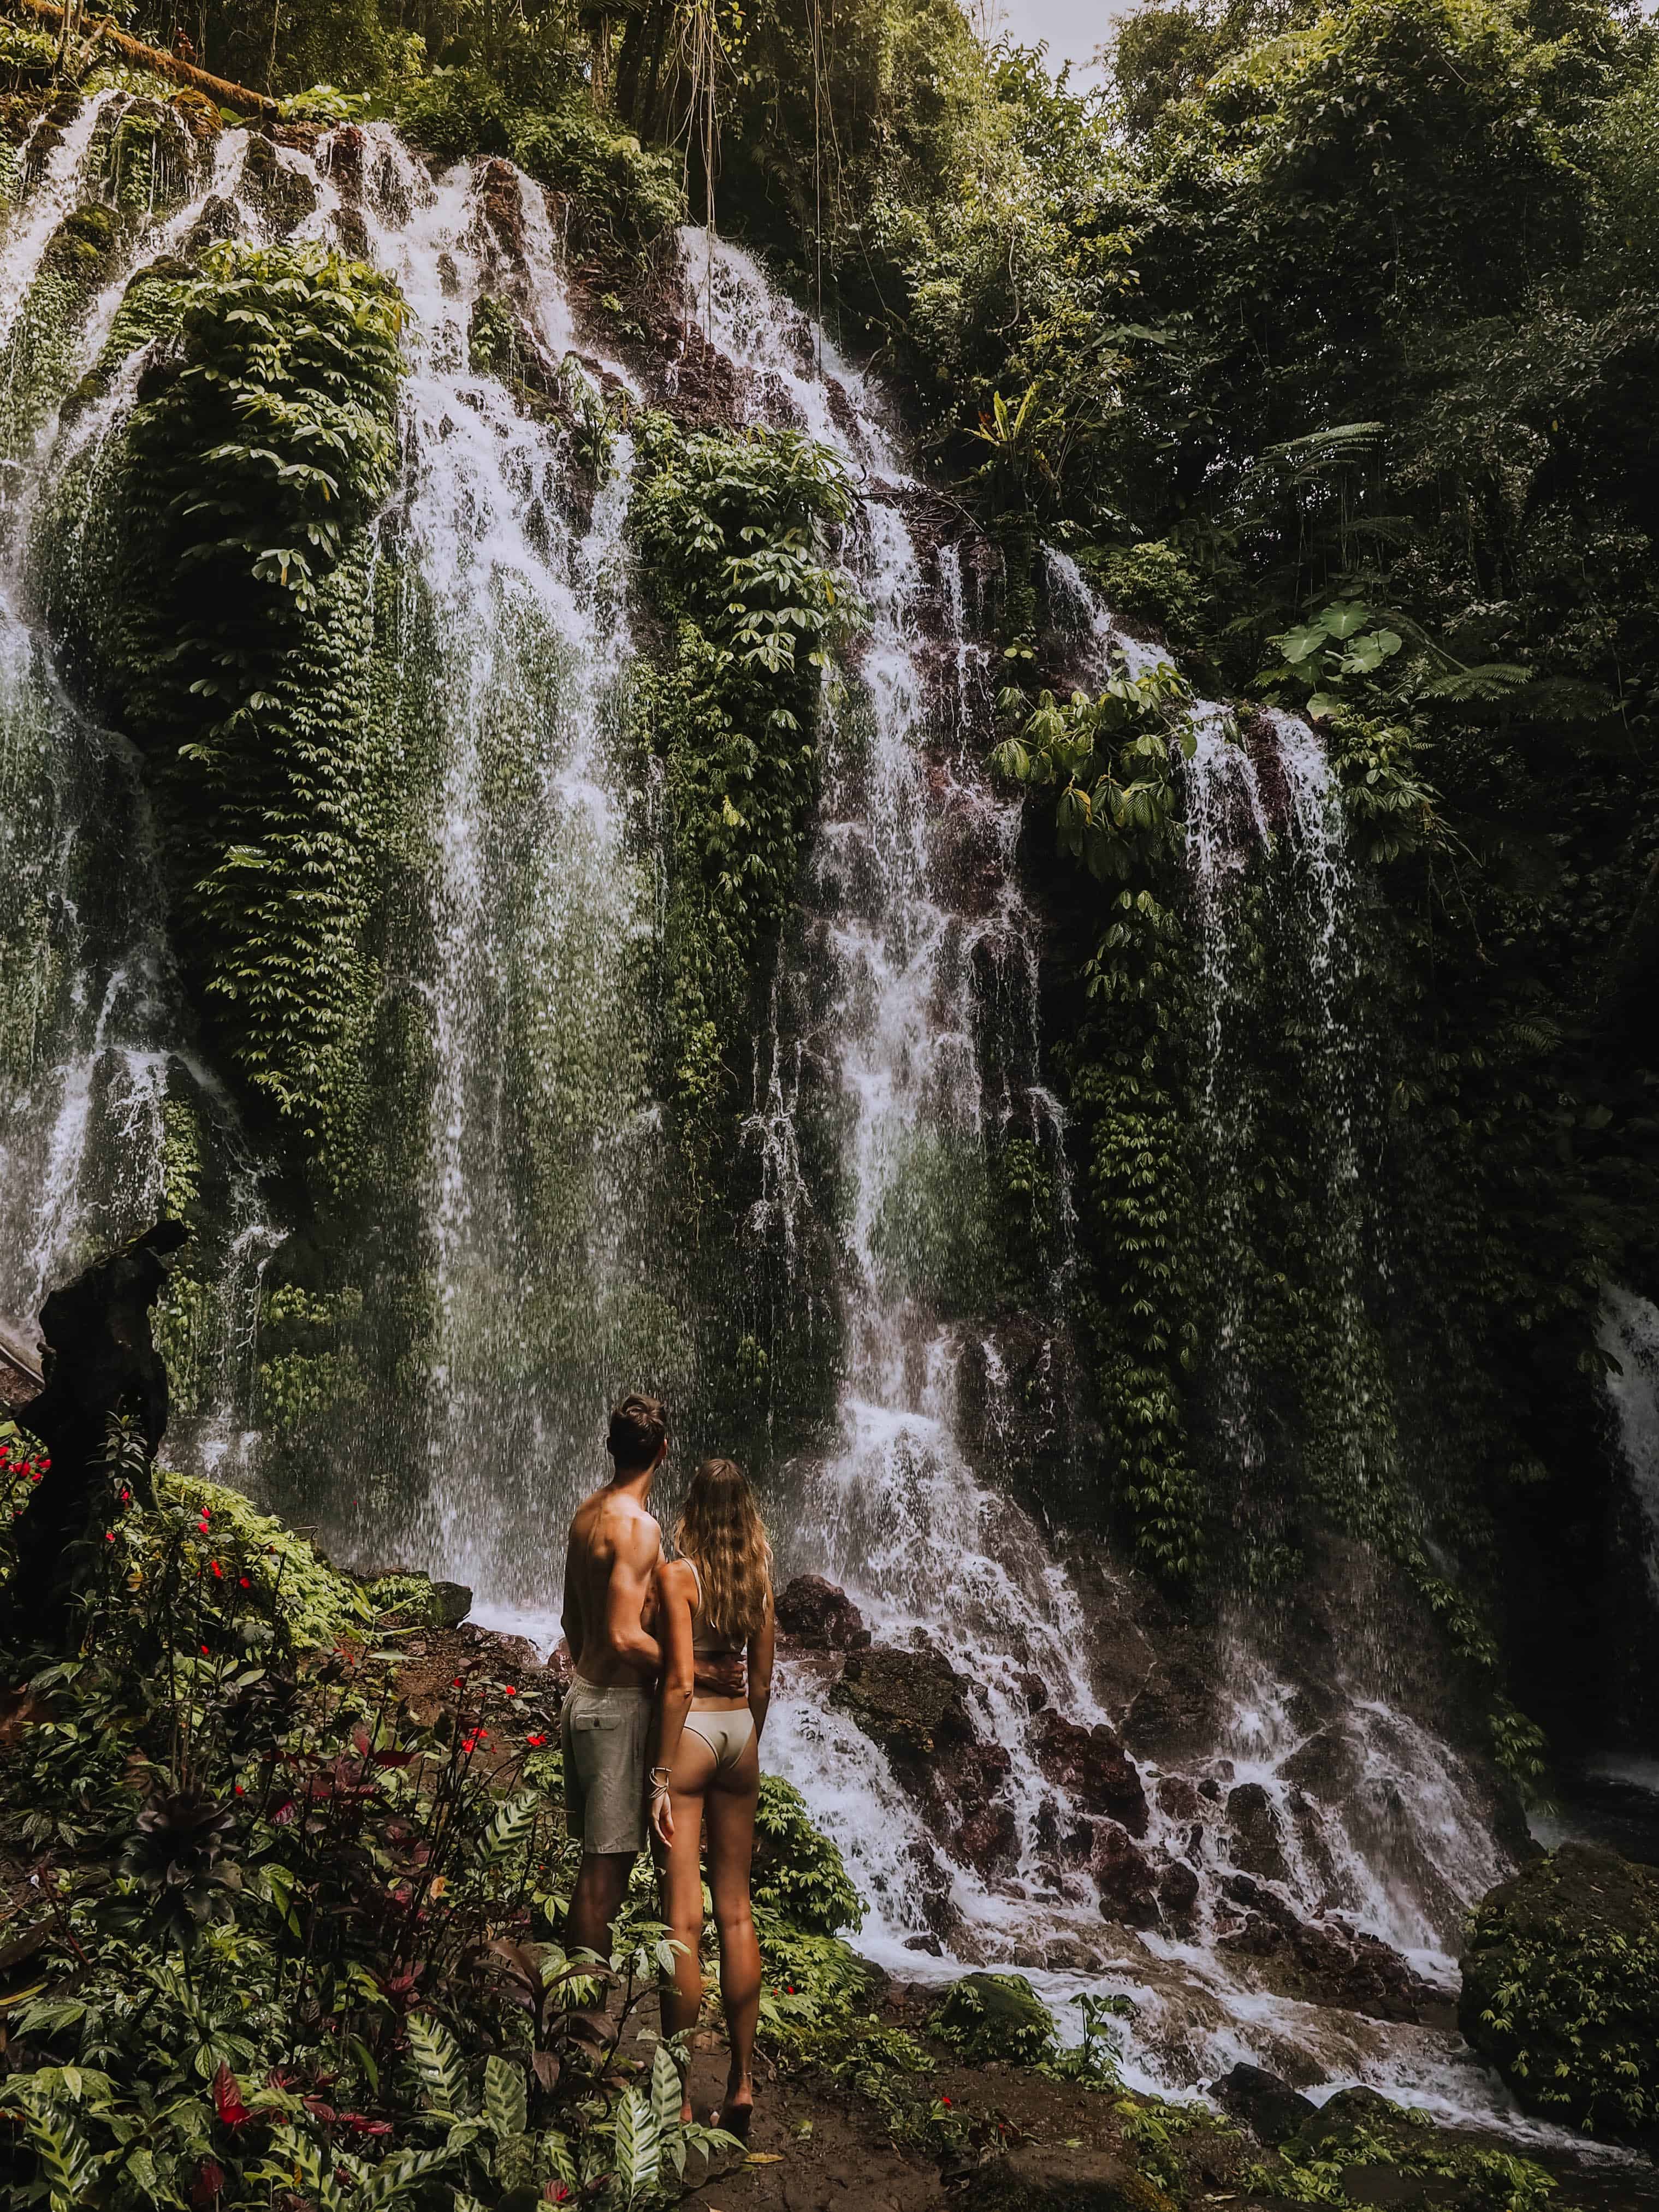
(1255, 1845)
(929, 1885)
(1329, 1764)
(1177, 1795)
(913, 1704)
(1177, 1889)
(1572, 1944)
(1124, 1877)
(1034, 1690)
(1174, 1714)
(989, 1839)
(813, 1612)
(1265, 2102)
(1324, 1960)
(1091, 1765)
(452, 1602)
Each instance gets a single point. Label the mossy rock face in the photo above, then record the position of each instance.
(995, 2016)
(1561, 1988)
(1359, 2150)
(909, 1702)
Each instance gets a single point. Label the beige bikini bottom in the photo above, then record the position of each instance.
(728, 1736)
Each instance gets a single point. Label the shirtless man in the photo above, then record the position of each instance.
(606, 1726)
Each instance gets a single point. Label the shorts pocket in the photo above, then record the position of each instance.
(592, 1724)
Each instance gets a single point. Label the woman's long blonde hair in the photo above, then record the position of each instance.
(720, 1530)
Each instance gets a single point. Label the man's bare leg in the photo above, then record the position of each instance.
(601, 1885)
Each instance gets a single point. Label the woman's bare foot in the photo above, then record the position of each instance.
(736, 2112)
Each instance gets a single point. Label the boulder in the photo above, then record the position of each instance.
(1255, 1845)
(913, 1704)
(989, 1839)
(1177, 1889)
(452, 1602)
(1265, 2102)
(1324, 1960)
(813, 1612)
(994, 2016)
(1091, 1765)
(1177, 1795)
(1124, 1877)
(1064, 2177)
(1561, 1988)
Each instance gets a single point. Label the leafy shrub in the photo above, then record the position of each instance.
(1358, 2131)
(797, 1872)
(454, 113)
(291, 1937)
(630, 192)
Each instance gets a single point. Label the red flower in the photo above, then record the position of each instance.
(535, 1741)
(247, 1584)
(507, 1690)
(126, 1497)
(945, 2101)
(240, 1791)
(204, 1651)
(109, 1536)
(217, 1569)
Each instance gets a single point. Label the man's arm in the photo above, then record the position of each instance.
(570, 1617)
(633, 1564)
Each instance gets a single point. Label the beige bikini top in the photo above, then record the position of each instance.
(705, 1645)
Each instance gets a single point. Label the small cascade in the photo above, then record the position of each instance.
(911, 983)
(1630, 1335)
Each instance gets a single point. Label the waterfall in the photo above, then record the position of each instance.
(506, 1273)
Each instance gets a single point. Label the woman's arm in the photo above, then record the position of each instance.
(760, 1647)
(674, 1600)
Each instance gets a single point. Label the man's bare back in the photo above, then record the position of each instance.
(610, 1564)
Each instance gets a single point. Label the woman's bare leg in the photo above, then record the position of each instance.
(730, 1808)
(680, 1869)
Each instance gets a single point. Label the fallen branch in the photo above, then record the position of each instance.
(101, 31)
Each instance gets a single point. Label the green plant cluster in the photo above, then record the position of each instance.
(251, 469)
(735, 532)
(798, 1873)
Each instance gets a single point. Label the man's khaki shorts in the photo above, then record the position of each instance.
(605, 1735)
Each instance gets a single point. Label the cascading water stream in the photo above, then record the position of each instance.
(896, 1514)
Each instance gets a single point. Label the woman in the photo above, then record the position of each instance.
(715, 1598)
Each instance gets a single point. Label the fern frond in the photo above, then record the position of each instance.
(1493, 679)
